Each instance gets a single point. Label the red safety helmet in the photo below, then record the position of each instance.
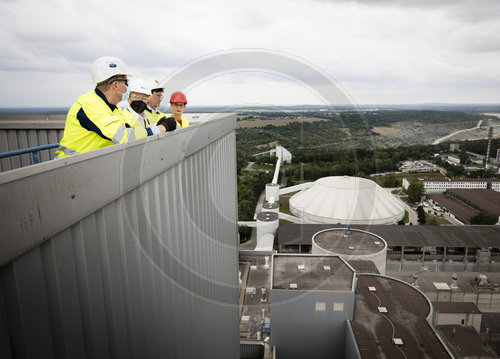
(178, 97)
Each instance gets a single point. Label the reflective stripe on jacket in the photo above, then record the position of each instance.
(93, 123)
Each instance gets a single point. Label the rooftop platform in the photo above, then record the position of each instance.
(465, 283)
(336, 240)
(254, 302)
(406, 319)
(311, 272)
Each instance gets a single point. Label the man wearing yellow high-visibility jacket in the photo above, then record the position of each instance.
(152, 113)
(95, 121)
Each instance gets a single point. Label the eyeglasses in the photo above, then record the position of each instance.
(118, 80)
(178, 104)
(158, 94)
(140, 98)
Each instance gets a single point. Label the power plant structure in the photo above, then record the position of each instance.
(304, 306)
(125, 252)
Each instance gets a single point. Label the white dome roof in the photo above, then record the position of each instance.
(346, 200)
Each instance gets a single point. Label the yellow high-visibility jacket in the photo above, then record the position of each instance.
(184, 122)
(93, 123)
(132, 120)
(152, 116)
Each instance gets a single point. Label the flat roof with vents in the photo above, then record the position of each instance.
(390, 317)
(336, 241)
(311, 272)
(465, 281)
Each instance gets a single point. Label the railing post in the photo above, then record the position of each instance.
(36, 160)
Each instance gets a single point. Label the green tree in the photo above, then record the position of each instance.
(415, 191)
(389, 181)
(455, 171)
(463, 156)
(484, 218)
(421, 215)
(246, 210)
(245, 233)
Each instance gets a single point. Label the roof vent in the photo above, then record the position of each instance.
(372, 289)
(382, 309)
(301, 266)
(293, 285)
(327, 268)
(397, 341)
(482, 280)
(441, 286)
(351, 248)
(250, 290)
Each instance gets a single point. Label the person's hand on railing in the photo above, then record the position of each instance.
(166, 124)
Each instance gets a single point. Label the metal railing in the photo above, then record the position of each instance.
(33, 150)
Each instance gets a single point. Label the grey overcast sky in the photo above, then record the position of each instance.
(381, 51)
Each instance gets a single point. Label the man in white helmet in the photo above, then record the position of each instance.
(95, 121)
(152, 112)
(140, 93)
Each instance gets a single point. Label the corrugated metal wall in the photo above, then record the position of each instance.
(23, 131)
(148, 273)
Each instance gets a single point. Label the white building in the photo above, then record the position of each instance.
(440, 185)
(453, 160)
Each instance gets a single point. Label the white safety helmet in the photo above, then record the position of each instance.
(141, 86)
(107, 66)
(157, 86)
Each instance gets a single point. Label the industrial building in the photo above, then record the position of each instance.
(441, 248)
(312, 297)
(466, 203)
(427, 253)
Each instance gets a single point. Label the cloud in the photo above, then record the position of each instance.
(377, 45)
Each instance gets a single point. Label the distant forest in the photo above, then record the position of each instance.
(386, 118)
(338, 130)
